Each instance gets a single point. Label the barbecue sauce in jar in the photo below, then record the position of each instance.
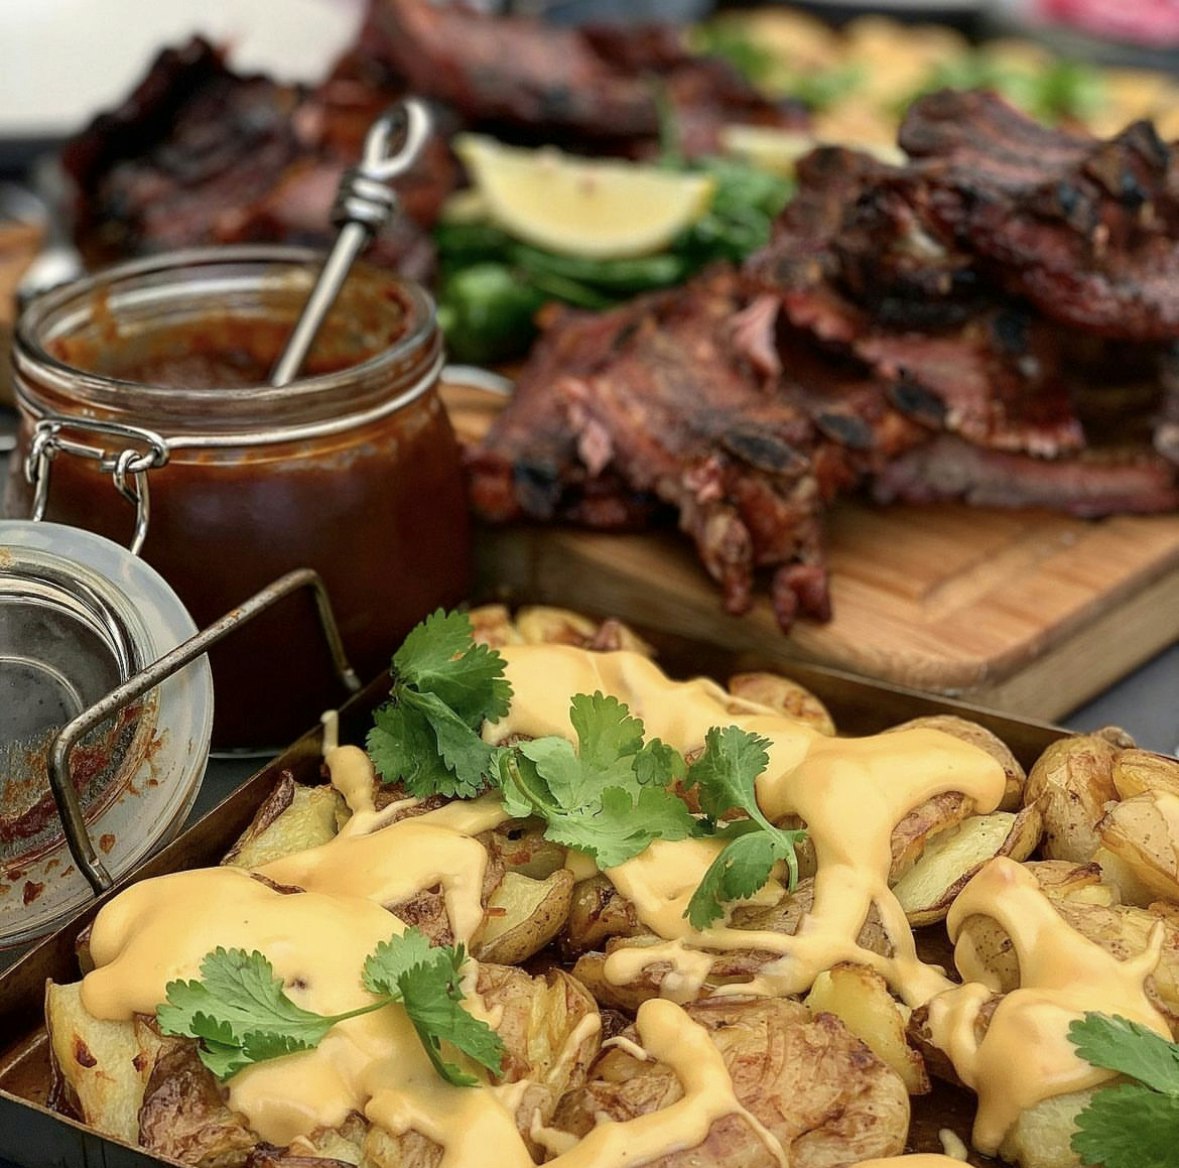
(352, 470)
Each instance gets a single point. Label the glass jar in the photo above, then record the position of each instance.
(79, 615)
(145, 416)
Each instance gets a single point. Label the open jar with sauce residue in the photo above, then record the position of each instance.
(145, 416)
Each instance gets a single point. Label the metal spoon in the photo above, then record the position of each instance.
(364, 203)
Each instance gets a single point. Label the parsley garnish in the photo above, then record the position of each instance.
(240, 1013)
(444, 687)
(610, 797)
(725, 775)
(1129, 1125)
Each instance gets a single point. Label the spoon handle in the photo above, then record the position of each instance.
(364, 203)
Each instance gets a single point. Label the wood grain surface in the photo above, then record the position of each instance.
(1026, 611)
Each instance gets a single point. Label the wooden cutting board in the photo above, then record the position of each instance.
(1026, 611)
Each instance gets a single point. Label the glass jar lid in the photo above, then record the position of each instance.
(78, 616)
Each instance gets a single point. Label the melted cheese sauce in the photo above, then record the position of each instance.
(1025, 1055)
(850, 793)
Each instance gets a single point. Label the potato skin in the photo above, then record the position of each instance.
(533, 912)
(820, 1090)
(780, 693)
(1138, 841)
(1071, 783)
(183, 1116)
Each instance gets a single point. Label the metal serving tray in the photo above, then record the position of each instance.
(33, 1136)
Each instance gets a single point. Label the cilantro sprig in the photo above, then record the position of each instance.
(444, 687)
(724, 776)
(610, 795)
(1128, 1125)
(241, 1014)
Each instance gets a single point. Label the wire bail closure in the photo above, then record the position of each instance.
(141, 450)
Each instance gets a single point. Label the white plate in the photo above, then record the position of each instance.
(63, 61)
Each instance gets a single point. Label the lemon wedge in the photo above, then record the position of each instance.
(596, 209)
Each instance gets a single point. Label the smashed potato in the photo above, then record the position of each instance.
(860, 998)
(826, 1097)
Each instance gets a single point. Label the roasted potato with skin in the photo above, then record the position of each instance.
(951, 858)
(103, 1065)
(1041, 1136)
(1079, 882)
(1138, 854)
(492, 624)
(551, 1032)
(859, 997)
(780, 693)
(184, 1117)
(987, 954)
(522, 916)
(826, 1097)
(1135, 772)
(546, 625)
(597, 913)
(292, 818)
(927, 820)
(1071, 783)
(514, 847)
(729, 968)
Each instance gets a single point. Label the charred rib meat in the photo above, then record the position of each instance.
(946, 329)
(199, 154)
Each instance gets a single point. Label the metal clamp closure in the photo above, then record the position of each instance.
(139, 451)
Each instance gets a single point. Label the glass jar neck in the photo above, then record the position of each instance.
(183, 342)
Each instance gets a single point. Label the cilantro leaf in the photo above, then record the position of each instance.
(608, 797)
(1128, 1126)
(240, 1013)
(727, 770)
(1117, 1044)
(441, 657)
(236, 1010)
(385, 965)
(659, 765)
(426, 980)
(607, 733)
(608, 741)
(725, 777)
(622, 825)
(445, 687)
(461, 749)
(402, 745)
(737, 873)
(431, 994)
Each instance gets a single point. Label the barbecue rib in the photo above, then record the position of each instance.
(885, 336)
(199, 154)
(523, 79)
